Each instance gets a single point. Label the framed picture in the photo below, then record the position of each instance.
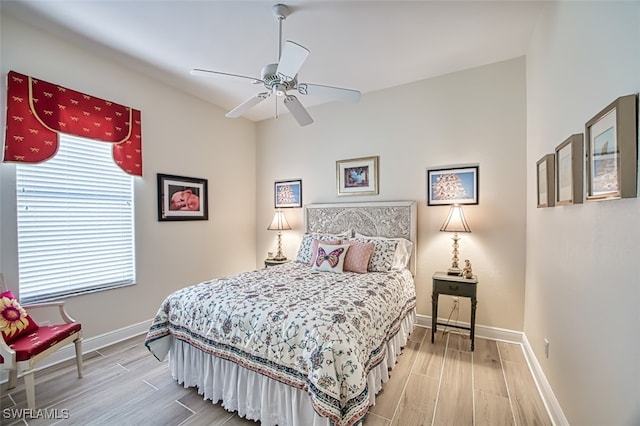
(611, 139)
(287, 193)
(569, 170)
(452, 185)
(182, 198)
(357, 176)
(545, 171)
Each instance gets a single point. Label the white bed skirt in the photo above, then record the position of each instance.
(258, 397)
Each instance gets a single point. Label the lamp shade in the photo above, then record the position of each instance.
(279, 222)
(455, 221)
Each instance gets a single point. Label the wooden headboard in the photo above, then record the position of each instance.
(391, 219)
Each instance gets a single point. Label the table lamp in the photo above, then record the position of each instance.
(279, 224)
(455, 223)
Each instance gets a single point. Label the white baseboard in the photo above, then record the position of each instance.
(544, 388)
(91, 344)
(492, 333)
(548, 397)
(98, 342)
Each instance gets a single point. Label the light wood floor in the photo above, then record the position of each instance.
(433, 384)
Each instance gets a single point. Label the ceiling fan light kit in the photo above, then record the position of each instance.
(281, 77)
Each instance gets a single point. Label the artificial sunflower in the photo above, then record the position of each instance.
(13, 317)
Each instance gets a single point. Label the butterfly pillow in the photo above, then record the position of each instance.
(330, 257)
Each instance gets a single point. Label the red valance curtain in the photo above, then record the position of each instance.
(37, 111)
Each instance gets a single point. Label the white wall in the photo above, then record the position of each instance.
(582, 291)
(471, 117)
(181, 135)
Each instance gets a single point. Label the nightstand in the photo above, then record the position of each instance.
(274, 262)
(454, 286)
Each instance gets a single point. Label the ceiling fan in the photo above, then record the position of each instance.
(282, 77)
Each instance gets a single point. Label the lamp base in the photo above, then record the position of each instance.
(454, 271)
(279, 255)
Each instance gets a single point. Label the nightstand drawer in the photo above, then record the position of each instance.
(454, 288)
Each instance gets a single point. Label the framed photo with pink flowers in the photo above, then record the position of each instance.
(182, 198)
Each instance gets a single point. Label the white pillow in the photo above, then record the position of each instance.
(403, 250)
(403, 253)
(330, 257)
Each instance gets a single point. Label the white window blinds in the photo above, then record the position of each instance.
(75, 222)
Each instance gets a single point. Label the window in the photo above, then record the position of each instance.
(75, 222)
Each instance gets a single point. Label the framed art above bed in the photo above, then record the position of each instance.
(357, 176)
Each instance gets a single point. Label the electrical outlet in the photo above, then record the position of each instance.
(546, 348)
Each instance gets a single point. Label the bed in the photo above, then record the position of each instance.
(298, 343)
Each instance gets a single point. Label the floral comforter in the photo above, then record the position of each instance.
(318, 331)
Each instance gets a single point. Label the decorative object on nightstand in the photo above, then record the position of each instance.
(467, 272)
(443, 283)
(279, 224)
(455, 223)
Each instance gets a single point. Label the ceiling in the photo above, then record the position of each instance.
(362, 45)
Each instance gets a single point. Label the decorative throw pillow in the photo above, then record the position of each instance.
(305, 252)
(383, 253)
(14, 320)
(358, 257)
(314, 248)
(330, 257)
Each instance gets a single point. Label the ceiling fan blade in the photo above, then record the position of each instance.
(291, 60)
(297, 110)
(247, 105)
(329, 93)
(208, 73)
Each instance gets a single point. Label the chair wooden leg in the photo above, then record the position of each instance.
(78, 344)
(13, 378)
(30, 388)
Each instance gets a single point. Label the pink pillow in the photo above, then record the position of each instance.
(314, 248)
(14, 318)
(358, 257)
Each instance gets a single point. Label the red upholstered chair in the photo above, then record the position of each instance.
(23, 343)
